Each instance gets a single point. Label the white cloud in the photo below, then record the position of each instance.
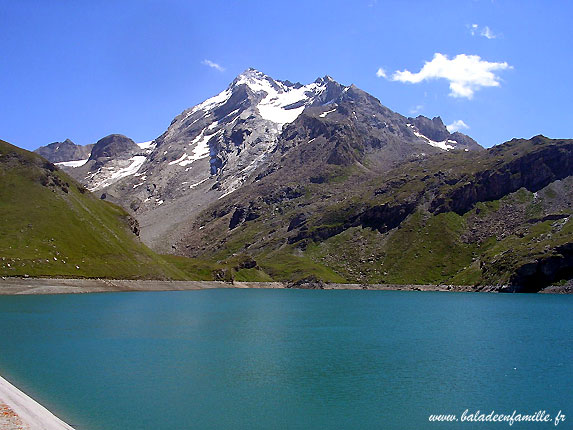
(416, 109)
(476, 30)
(457, 125)
(466, 73)
(486, 32)
(381, 73)
(213, 65)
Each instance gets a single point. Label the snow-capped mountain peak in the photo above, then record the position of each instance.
(282, 101)
(215, 147)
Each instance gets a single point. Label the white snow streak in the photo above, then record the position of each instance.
(146, 145)
(201, 149)
(220, 98)
(74, 163)
(323, 114)
(179, 160)
(272, 106)
(197, 184)
(136, 162)
(442, 145)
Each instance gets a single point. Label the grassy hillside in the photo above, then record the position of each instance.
(51, 226)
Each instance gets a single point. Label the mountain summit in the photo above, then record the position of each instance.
(223, 143)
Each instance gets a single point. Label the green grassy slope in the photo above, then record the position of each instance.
(51, 226)
(487, 245)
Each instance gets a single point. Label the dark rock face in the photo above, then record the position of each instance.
(532, 171)
(308, 283)
(297, 221)
(114, 145)
(386, 217)
(242, 214)
(536, 275)
(64, 151)
(436, 130)
(432, 128)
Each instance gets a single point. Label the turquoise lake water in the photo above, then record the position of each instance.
(289, 359)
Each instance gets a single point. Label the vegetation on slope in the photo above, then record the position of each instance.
(497, 217)
(502, 216)
(51, 226)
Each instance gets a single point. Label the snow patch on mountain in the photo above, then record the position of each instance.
(200, 150)
(197, 183)
(180, 159)
(149, 145)
(445, 144)
(110, 174)
(282, 103)
(323, 114)
(73, 163)
(210, 103)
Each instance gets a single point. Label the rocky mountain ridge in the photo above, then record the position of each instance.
(214, 148)
(65, 151)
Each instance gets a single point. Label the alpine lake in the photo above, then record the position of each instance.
(290, 359)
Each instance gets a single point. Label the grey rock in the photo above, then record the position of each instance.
(114, 145)
(67, 150)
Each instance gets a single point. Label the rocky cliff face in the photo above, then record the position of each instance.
(534, 170)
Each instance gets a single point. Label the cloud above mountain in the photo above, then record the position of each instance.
(457, 125)
(466, 73)
(213, 65)
(381, 73)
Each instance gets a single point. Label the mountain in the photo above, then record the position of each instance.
(496, 217)
(215, 148)
(277, 180)
(66, 151)
(52, 226)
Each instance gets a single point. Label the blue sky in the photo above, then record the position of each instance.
(84, 69)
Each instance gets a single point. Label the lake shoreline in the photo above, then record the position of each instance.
(20, 411)
(22, 286)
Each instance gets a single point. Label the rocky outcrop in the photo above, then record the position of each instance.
(114, 146)
(308, 283)
(532, 170)
(433, 128)
(297, 221)
(64, 151)
(536, 275)
(242, 214)
(436, 130)
(133, 225)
